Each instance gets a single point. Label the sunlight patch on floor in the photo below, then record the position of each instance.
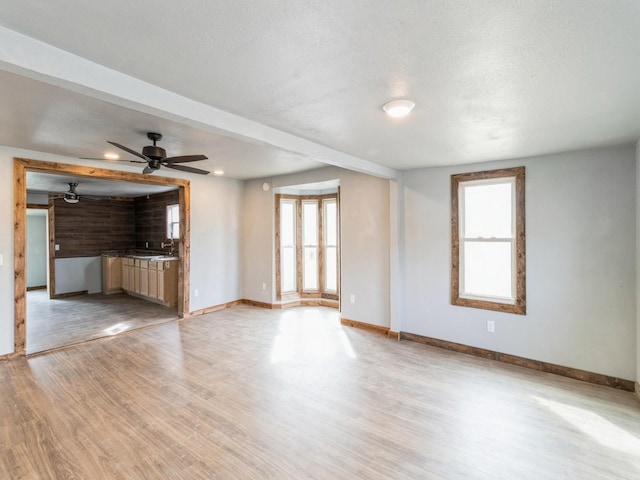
(309, 335)
(116, 329)
(598, 428)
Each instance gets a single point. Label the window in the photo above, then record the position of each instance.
(330, 217)
(173, 221)
(310, 245)
(307, 246)
(488, 241)
(288, 246)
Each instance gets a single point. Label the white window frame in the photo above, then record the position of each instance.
(172, 211)
(315, 245)
(293, 247)
(326, 245)
(511, 240)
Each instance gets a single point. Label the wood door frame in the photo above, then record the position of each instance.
(20, 168)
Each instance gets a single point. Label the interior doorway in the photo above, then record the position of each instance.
(37, 248)
(21, 168)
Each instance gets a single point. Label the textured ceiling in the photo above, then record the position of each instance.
(57, 184)
(491, 80)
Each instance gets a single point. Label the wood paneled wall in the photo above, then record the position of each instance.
(151, 220)
(87, 228)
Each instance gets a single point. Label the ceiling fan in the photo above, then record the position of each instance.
(71, 195)
(156, 157)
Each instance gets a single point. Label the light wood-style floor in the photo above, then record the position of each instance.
(247, 393)
(66, 321)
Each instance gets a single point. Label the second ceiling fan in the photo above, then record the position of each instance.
(156, 157)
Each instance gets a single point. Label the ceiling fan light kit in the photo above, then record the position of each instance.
(71, 196)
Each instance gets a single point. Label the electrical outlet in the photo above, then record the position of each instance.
(195, 292)
(352, 298)
(1, 260)
(57, 247)
(491, 326)
(264, 286)
(146, 244)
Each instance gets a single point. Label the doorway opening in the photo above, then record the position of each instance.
(73, 302)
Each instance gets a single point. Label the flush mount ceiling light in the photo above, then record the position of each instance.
(111, 156)
(218, 172)
(398, 108)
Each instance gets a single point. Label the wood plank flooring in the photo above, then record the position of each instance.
(66, 321)
(247, 393)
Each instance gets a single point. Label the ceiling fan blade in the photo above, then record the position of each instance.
(113, 160)
(127, 149)
(147, 170)
(185, 158)
(186, 169)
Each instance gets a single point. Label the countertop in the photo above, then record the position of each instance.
(159, 258)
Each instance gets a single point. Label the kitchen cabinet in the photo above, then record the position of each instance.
(153, 280)
(111, 275)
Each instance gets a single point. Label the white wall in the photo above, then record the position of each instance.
(78, 274)
(637, 267)
(364, 224)
(258, 241)
(37, 258)
(580, 230)
(216, 217)
(6, 251)
(216, 240)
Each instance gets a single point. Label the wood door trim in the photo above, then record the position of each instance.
(20, 168)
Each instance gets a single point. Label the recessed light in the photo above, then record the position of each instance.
(111, 156)
(218, 172)
(398, 108)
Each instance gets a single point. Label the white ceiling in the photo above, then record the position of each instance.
(56, 184)
(268, 87)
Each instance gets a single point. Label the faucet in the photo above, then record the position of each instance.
(170, 244)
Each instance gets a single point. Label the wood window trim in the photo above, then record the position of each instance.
(300, 293)
(519, 307)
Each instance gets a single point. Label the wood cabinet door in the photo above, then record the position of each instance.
(130, 278)
(153, 282)
(144, 281)
(115, 274)
(125, 275)
(161, 284)
(136, 276)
